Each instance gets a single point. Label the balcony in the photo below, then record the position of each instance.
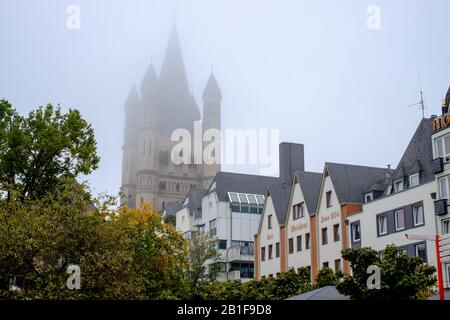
(437, 165)
(232, 275)
(240, 254)
(440, 207)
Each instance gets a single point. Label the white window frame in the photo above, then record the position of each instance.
(441, 141)
(379, 224)
(397, 228)
(414, 215)
(446, 180)
(353, 232)
(401, 183)
(417, 245)
(368, 197)
(269, 222)
(443, 222)
(411, 177)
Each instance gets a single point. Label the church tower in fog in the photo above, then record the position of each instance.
(162, 105)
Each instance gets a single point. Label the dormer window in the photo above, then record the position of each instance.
(368, 197)
(398, 186)
(414, 180)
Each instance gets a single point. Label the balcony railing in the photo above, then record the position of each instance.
(440, 207)
(240, 254)
(437, 165)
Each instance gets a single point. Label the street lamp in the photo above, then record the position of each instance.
(442, 244)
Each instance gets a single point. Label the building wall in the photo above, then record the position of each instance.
(327, 218)
(298, 227)
(369, 227)
(269, 237)
(183, 221)
(445, 217)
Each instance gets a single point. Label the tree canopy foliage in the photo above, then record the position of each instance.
(41, 151)
(402, 277)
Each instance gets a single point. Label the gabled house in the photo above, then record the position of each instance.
(341, 195)
(301, 222)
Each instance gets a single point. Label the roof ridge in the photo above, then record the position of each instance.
(358, 165)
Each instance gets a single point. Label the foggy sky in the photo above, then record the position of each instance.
(309, 68)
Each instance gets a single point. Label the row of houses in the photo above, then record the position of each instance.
(266, 225)
(349, 206)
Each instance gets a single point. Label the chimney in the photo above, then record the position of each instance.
(292, 159)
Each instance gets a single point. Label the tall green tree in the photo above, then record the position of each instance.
(401, 276)
(43, 150)
(202, 249)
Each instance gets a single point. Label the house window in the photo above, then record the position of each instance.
(399, 219)
(368, 197)
(421, 251)
(325, 264)
(298, 211)
(356, 232)
(446, 226)
(324, 236)
(263, 253)
(443, 146)
(336, 233)
(213, 227)
(269, 221)
(337, 265)
(418, 215)
(398, 186)
(414, 180)
(329, 202)
(291, 245)
(270, 251)
(382, 225)
(307, 245)
(277, 249)
(444, 187)
(222, 244)
(299, 243)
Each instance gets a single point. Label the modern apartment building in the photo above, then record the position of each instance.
(230, 211)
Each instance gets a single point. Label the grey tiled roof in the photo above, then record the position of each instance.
(351, 182)
(172, 208)
(310, 185)
(324, 293)
(279, 193)
(195, 196)
(237, 182)
(418, 155)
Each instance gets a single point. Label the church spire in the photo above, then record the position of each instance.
(212, 90)
(149, 85)
(173, 73)
(133, 99)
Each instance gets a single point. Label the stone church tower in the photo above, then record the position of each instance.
(164, 104)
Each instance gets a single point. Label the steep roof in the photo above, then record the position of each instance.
(279, 192)
(418, 155)
(195, 196)
(212, 90)
(351, 182)
(238, 182)
(176, 106)
(172, 208)
(310, 185)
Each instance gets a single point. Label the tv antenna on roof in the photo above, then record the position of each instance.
(421, 103)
